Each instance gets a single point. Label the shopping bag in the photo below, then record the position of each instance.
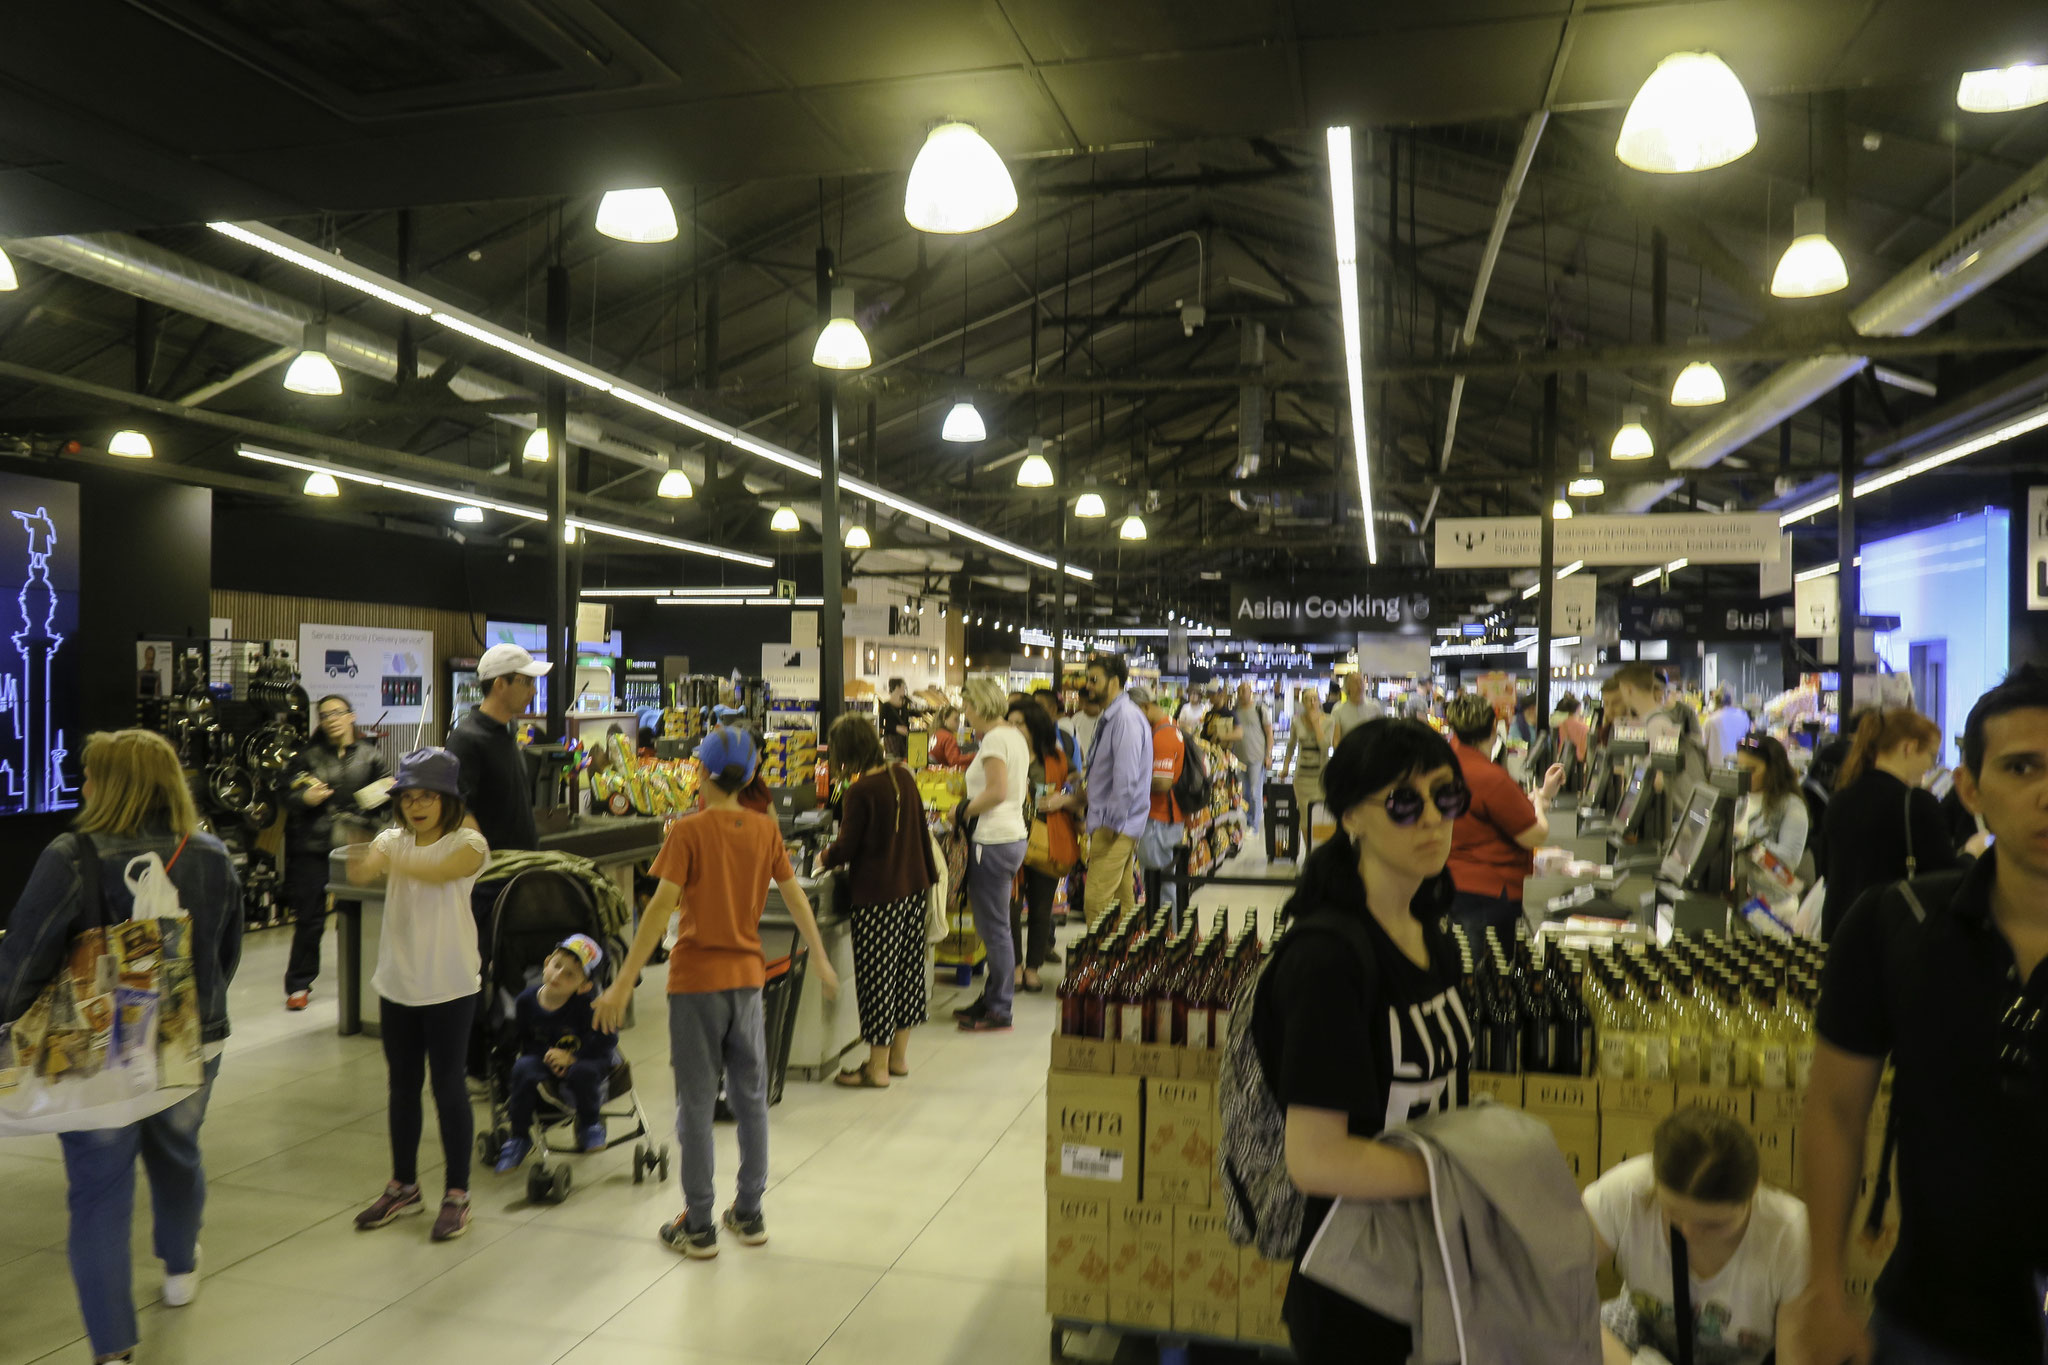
(938, 899)
(115, 1036)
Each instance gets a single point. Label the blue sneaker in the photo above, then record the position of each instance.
(513, 1155)
(592, 1137)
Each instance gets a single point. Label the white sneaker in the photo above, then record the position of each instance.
(180, 1290)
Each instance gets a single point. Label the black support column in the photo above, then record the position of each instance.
(1846, 573)
(832, 619)
(1546, 561)
(555, 413)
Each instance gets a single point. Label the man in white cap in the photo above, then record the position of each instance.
(495, 786)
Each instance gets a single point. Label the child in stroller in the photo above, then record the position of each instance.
(538, 917)
(557, 1041)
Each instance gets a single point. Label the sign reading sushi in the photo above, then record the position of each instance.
(1379, 606)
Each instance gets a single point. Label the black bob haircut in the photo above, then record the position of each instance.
(1369, 759)
(2025, 688)
(1112, 666)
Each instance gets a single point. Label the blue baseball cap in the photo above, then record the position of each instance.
(727, 747)
(430, 770)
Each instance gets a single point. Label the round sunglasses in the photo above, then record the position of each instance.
(1404, 803)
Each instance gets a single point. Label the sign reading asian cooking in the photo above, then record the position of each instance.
(1701, 537)
(1380, 606)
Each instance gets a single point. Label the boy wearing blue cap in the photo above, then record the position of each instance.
(558, 1039)
(715, 866)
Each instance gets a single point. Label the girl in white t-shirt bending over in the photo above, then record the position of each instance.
(427, 977)
(1746, 1246)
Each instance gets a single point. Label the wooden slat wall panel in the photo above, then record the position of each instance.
(266, 616)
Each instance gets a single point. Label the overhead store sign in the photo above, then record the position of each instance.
(1816, 610)
(1382, 605)
(1573, 602)
(1701, 537)
(2037, 549)
(1667, 618)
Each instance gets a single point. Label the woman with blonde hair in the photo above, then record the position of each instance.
(994, 812)
(1308, 748)
(136, 803)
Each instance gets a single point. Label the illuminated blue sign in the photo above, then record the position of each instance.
(39, 646)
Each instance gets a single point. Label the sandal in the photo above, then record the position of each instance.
(859, 1079)
(894, 1071)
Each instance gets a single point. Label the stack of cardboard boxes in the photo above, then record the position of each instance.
(1135, 1231)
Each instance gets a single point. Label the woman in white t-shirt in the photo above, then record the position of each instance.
(996, 783)
(427, 977)
(1746, 1245)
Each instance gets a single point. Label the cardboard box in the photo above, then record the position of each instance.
(1774, 1145)
(1652, 1098)
(1071, 1303)
(1778, 1106)
(1737, 1102)
(1261, 1289)
(1206, 1267)
(1141, 1310)
(1504, 1087)
(1623, 1136)
(1141, 1254)
(1160, 1060)
(1077, 1257)
(1578, 1137)
(1200, 1063)
(1566, 1093)
(1095, 1136)
(1082, 1054)
(1180, 1141)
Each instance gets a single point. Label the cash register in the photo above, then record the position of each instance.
(1693, 875)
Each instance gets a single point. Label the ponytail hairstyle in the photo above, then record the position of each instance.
(1369, 759)
(1881, 731)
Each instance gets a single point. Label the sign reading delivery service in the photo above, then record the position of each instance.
(1392, 605)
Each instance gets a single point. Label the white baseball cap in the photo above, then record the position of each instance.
(500, 660)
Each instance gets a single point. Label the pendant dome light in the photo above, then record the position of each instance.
(1133, 527)
(1560, 510)
(1699, 384)
(536, 448)
(784, 519)
(857, 537)
(675, 484)
(130, 445)
(1632, 441)
(470, 516)
(958, 183)
(1090, 505)
(8, 280)
(964, 424)
(1587, 484)
(643, 215)
(841, 344)
(2004, 90)
(1036, 471)
(311, 372)
(1692, 114)
(320, 485)
(1811, 266)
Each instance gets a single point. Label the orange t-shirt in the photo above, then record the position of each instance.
(1169, 751)
(723, 860)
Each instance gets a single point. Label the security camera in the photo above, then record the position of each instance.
(1192, 315)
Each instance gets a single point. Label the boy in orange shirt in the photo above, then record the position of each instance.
(715, 865)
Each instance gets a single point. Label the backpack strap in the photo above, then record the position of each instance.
(1681, 1295)
(92, 909)
(1912, 863)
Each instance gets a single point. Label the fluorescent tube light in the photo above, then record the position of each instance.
(1344, 220)
(2019, 426)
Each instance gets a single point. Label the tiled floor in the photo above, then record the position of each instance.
(908, 1225)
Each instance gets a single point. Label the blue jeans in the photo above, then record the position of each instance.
(582, 1085)
(991, 869)
(1255, 793)
(100, 1167)
(710, 1031)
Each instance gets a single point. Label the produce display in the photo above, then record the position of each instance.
(941, 789)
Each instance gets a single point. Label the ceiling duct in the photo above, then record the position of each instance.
(147, 271)
(1987, 246)
(1251, 407)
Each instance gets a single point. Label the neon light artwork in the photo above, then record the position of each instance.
(33, 744)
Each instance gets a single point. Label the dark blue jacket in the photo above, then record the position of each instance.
(570, 1028)
(46, 918)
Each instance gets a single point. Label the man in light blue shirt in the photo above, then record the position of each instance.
(1117, 784)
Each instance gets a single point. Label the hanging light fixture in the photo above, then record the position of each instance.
(1036, 471)
(958, 183)
(784, 519)
(1587, 484)
(1811, 266)
(1692, 114)
(536, 448)
(1632, 441)
(857, 537)
(469, 515)
(1560, 510)
(963, 424)
(130, 445)
(320, 485)
(1090, 505)
(674, 484)
(1699, 384)
(568, 533)
(1133, 527)
(7, 277)
(2004, 90)
(637, 215)
(841, 345)
(311, 372)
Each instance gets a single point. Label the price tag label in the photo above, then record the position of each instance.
(1083, 1162)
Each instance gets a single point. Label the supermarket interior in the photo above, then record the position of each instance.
(965, 682)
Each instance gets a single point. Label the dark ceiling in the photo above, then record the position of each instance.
(1164, 153)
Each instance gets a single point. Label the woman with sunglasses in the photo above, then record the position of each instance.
(1356, 1042)
(1493, 848)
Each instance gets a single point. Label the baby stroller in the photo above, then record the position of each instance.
(536, 911)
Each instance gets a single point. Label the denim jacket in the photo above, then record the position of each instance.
(46, 918)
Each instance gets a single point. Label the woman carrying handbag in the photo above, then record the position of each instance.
(1052, 851)
(885, 848)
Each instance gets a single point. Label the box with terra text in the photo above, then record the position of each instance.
(1082, 1054)
(1261, 1291)
(1077, 1257)
(1180, 1141)
(1206, 1266)
(1094, 1135)
(1141, 1265)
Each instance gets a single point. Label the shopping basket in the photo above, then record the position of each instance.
(779, 993)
